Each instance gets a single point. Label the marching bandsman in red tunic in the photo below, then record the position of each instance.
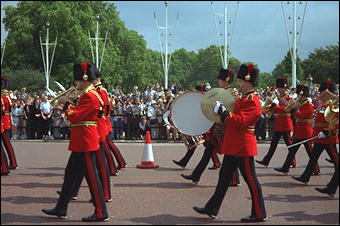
(283, 122)
(214, 137)
(102, 162)
(303, 112)
(239, 146)
(7, 103)
(84, 143)
(4, 162)
(327, 139)
(108, 141)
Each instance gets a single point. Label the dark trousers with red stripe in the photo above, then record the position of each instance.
(317, 151)
(333, 185)
(4, 162)
(293, 151)
(247, 169)
(103, 172)
(109, 157)
(273, 145)
(202, 165)
(82, 164)
(9, 149)
(116, 152)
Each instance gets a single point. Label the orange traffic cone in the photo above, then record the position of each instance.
(148, 162)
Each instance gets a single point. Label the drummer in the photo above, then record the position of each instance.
(191, 148)
(214, 138)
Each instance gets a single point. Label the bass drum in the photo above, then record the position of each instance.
(186, 114)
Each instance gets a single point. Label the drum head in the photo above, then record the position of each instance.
(187, 116)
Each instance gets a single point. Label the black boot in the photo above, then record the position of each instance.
(94, 218)
(59, 213)
(281, 170)
(325, 191)
(205, 211)
(179, 164)
(262, 163)
(252, 219)
(300, 180)
(190, 177)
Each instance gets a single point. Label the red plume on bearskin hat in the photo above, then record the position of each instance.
(226, 75)
(85, 71)
(249, 73)
(302, 90)
(328, 85)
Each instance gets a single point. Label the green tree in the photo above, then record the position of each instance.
(125, 54)
(323, 64)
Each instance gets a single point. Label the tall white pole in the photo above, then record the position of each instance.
(294, 57)
(166, 47)
(225, 63)
(47, 60)
(97, 39)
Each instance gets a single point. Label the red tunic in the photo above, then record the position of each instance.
(320, 125)
(84, 138)
(108, 120)
(2, 116)
(102, 124)
(283, 120)
(7, 114)
(303, 126)
(239, 139)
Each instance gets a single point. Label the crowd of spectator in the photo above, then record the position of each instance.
(34, 117)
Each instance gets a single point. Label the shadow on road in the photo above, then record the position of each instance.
(284, 184)
(8, 218)
(167, 219)
(166, 185)
(33, 185)
(296, 198)
(42, 174)
(29, 200)
(325, 218)
(48, 168)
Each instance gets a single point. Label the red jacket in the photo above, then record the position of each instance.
(7, 114)
(320, 125)
(83, 118)
(283, 120)
(303, 126)
(108, 117)
(2, 116)
(239, 139)
(102, 124)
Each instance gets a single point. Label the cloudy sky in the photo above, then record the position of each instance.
(259, 34)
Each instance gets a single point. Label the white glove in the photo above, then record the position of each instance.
(321, 135)
(217, 106)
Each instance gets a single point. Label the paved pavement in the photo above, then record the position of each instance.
(161, 196)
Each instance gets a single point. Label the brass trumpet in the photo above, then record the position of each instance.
(295, 104)
(73, 95)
